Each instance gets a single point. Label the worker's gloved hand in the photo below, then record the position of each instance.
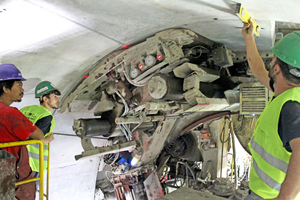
(49, 138)
(248, 30)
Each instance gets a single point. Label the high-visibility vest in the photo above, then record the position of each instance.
(269, 158)
(35, 113)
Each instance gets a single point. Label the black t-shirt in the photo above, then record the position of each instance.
(289, 123)
(44, 124)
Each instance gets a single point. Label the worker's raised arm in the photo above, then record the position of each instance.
(255, 61)
(39, 135)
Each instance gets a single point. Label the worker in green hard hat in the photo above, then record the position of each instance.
(275, 144)
(42, 117)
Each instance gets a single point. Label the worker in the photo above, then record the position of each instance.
(275, 144)
(42, 117)
(14, 126)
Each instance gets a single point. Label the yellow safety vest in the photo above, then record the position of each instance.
(269, 158)
(35, 113)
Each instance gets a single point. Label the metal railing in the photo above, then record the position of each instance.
(41, 166)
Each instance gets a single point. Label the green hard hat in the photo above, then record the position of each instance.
(288, 49)
(44, 87)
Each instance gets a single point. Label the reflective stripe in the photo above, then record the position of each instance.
(252, 196)
(36, 145)
(265, 177)
(279, 164)
(36, 156)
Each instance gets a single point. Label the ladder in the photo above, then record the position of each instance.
(41, 166)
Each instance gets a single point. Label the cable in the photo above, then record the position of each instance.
(223, 142)
(94, 137)
(234, 152)
(244, 174)
(173, 186)
(187, 167)
(115, 156)
(200, 49)
(142, 119)
(241, 122)
(124, 102)
(146, 75)
(124, 128)
(124, 131)
(203, 147)
(223, 132)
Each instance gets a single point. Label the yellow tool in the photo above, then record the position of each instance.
(244, 15)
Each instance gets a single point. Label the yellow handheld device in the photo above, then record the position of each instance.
(244, 15)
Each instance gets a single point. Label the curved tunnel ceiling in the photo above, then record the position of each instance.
(60, 40)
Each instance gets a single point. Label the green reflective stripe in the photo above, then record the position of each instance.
(36, 156)
(279, 164)
(36, 145)
(266, 178)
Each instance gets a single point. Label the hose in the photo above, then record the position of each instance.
(234, 153)
(223, 141)
(187, 175)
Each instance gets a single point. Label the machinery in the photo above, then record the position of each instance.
(170, 108)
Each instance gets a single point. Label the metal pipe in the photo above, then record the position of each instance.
(99, 137)
(164, 106)
(48, 172)
(131, 120)
(234, 153)
(204, 120)
(222, 146)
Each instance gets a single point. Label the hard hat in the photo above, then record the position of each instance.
(288, 49)
(44, 87)
(10, 72)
